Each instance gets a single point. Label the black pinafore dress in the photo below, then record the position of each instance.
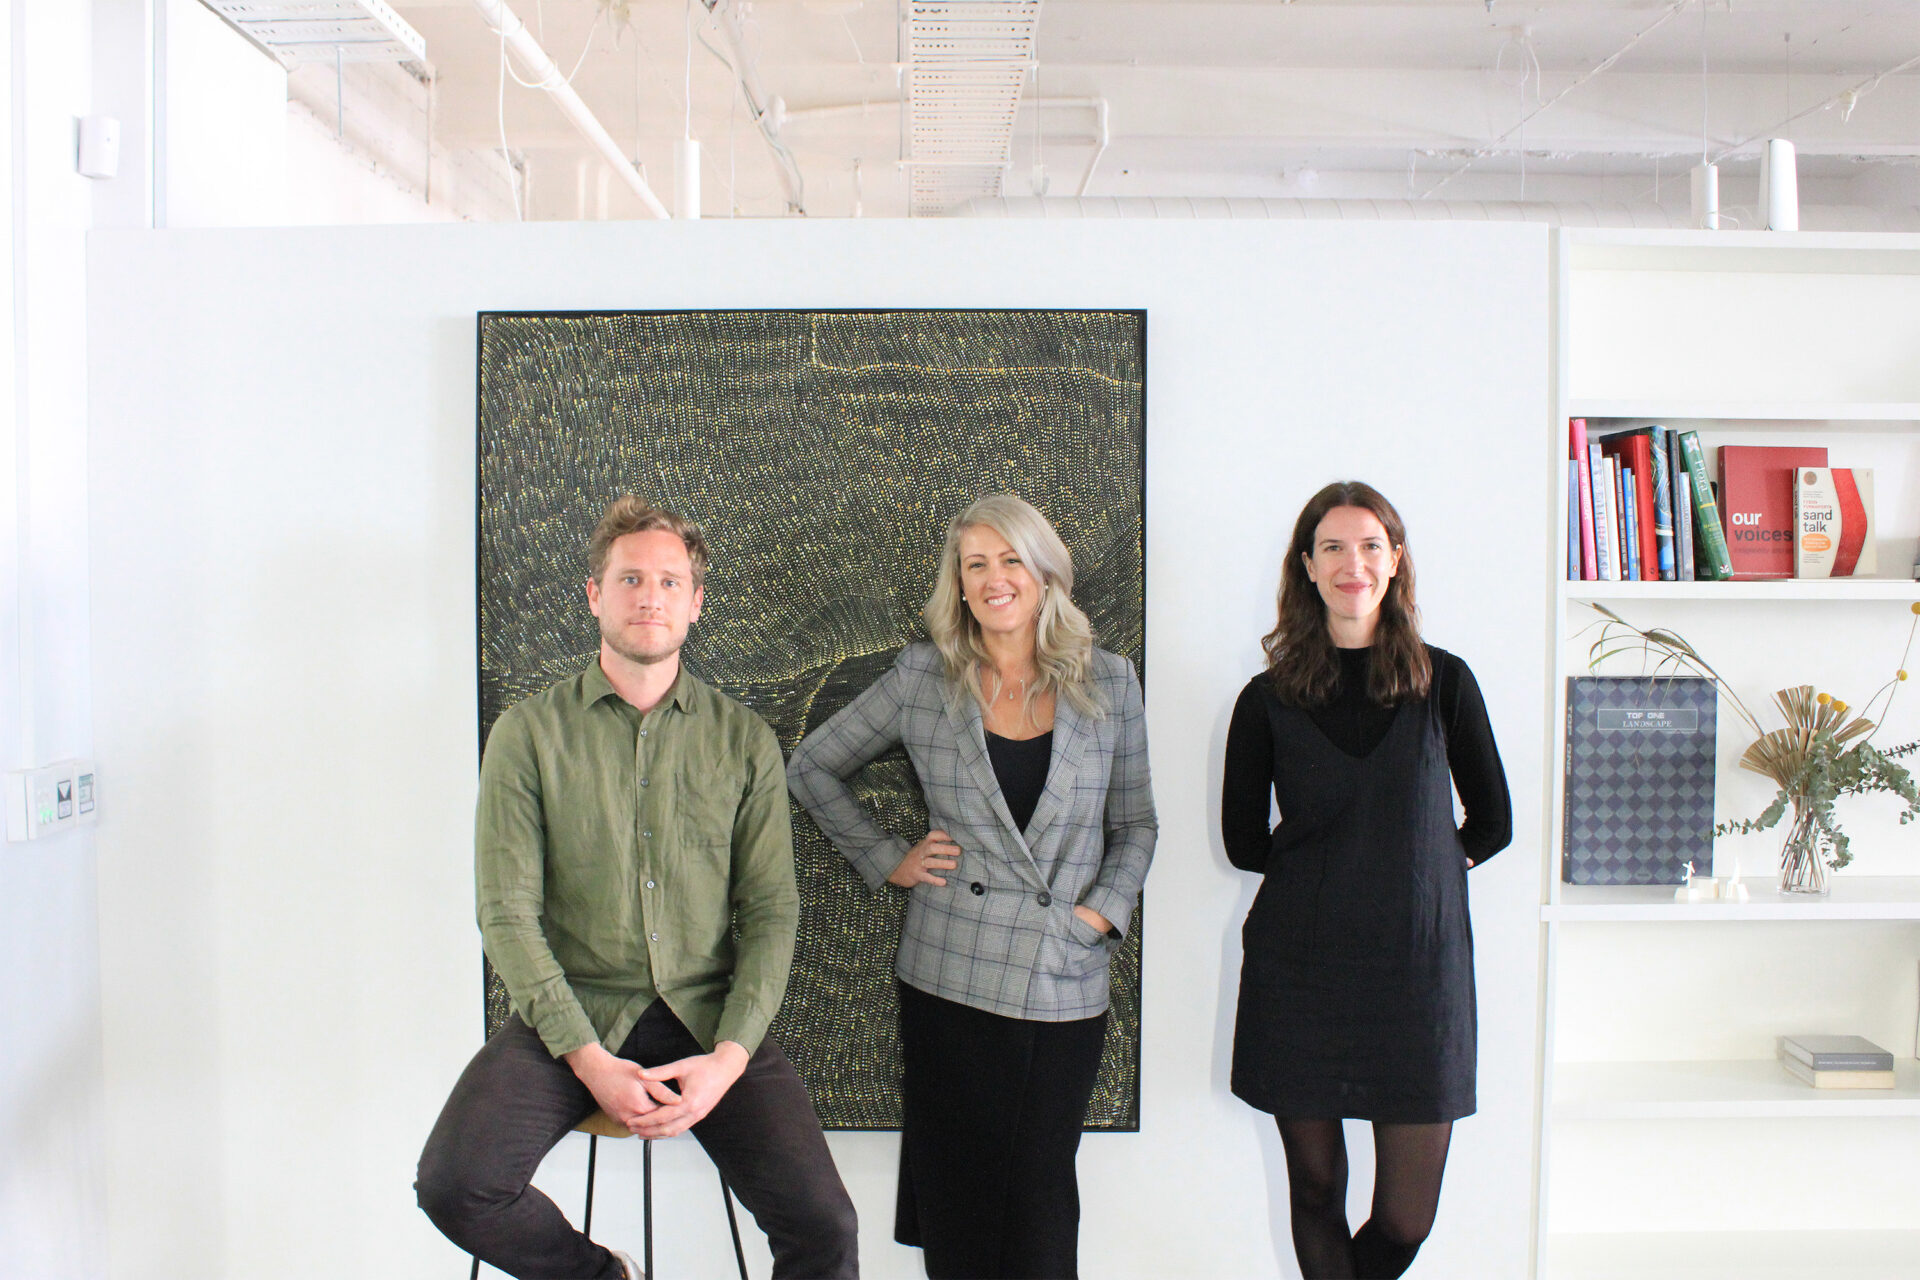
(1356, 987)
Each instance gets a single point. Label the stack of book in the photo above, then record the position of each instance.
(1640, 507)
(1837, 1062)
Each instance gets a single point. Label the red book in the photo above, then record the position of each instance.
(1577, 447)
(1756, 506)
(1635, 451)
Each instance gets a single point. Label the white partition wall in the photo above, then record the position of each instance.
(282, 504)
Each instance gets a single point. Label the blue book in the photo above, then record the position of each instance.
(1663, 507)
(1630, 532)
(1573, 522)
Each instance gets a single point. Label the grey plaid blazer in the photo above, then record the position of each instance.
(1001, 935)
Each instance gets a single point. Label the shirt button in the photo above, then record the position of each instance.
(979, 888)
(646, 835)
(643, 733)
(643, 782)
(649, 884)
(1044, 899)
(653, 937)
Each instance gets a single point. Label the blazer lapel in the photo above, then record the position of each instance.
(969, 734)
(1070, 734)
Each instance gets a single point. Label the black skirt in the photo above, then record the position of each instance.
(994, 1107)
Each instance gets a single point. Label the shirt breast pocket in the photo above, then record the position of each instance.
(707, 799)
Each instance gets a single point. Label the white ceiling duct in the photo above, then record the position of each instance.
(965, 61)
(297, 31)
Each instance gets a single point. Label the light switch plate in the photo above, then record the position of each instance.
(53, 798)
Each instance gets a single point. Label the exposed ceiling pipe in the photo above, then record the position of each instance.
(1097, 105)
(766, 110)
(549, 77)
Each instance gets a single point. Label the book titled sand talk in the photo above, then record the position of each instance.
(1833, 523)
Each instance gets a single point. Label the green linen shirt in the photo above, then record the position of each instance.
(621, 858)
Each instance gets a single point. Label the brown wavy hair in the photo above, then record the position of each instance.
(1300, 652)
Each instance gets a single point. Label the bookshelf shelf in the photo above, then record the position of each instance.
(1784, 589)
(1853, 898)
(1732, 1255)
(1802, 415)
(1746, 1089)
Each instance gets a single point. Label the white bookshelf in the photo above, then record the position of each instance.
(1737, 337)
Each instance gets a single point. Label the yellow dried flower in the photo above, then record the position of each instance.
(1824, 699)
(1840, 706)
(1916, 606)
(1901, 674)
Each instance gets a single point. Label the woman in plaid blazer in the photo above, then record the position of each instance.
(1030, 745)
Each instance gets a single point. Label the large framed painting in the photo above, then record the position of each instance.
(823, 453)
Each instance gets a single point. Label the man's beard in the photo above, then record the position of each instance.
(613, 634)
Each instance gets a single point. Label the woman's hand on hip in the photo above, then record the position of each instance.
(934, 854)
(1092, 917)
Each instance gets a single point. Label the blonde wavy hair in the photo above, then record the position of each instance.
(1063, 641)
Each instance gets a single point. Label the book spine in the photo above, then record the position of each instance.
(1646, 544)
(1682, 507)
(1836, 1061)
(1663, 507)
(1566, 795)
(1573, 521)
(1711, 549)
(1683, 518)
(1602, 514)
(1629, 522)
(1589, 566)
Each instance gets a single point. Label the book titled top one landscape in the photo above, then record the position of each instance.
(1639, 781)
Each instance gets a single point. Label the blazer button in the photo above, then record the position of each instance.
(978, 888)
(1044, 899)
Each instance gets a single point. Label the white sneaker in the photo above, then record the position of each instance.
(628, 1265)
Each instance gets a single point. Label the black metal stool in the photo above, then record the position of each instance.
(601, 1125)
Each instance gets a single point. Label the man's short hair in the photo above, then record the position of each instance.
(632, 514)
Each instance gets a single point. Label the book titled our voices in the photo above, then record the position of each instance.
(1833, 522)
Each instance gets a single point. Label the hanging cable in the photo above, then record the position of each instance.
(500, 111)
(1548, 105)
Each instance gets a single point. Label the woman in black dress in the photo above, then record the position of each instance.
(1356, 989)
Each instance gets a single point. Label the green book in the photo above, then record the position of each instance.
(1711, 552)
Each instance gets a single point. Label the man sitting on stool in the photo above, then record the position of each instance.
(630, 818)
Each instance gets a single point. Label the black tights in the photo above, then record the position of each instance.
(1409, 1160)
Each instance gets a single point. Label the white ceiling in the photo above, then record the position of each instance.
(1327, 98)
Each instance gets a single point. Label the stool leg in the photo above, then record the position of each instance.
(733, 1225)
(475, 1273)
(646, 1204)
(593, 1149)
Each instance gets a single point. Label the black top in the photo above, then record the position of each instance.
(1020, 767)
(1357, 725)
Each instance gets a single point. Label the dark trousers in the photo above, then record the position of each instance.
(993, 1112)
(515, 1101)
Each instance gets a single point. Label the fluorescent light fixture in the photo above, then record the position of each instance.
(298, 31)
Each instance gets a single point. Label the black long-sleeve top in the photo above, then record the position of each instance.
(1356, 724)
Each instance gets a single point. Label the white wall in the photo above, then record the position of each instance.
(51, 1154)
(284, 677)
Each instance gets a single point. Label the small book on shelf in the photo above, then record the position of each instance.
(1639, 779)
(1756, 501)
(1820, 1079)
(1833, 509)
(1634, 452)
(1663, 507)
(1577, 449)
(1836, 1053)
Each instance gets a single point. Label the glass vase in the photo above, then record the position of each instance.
(1804, 854)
